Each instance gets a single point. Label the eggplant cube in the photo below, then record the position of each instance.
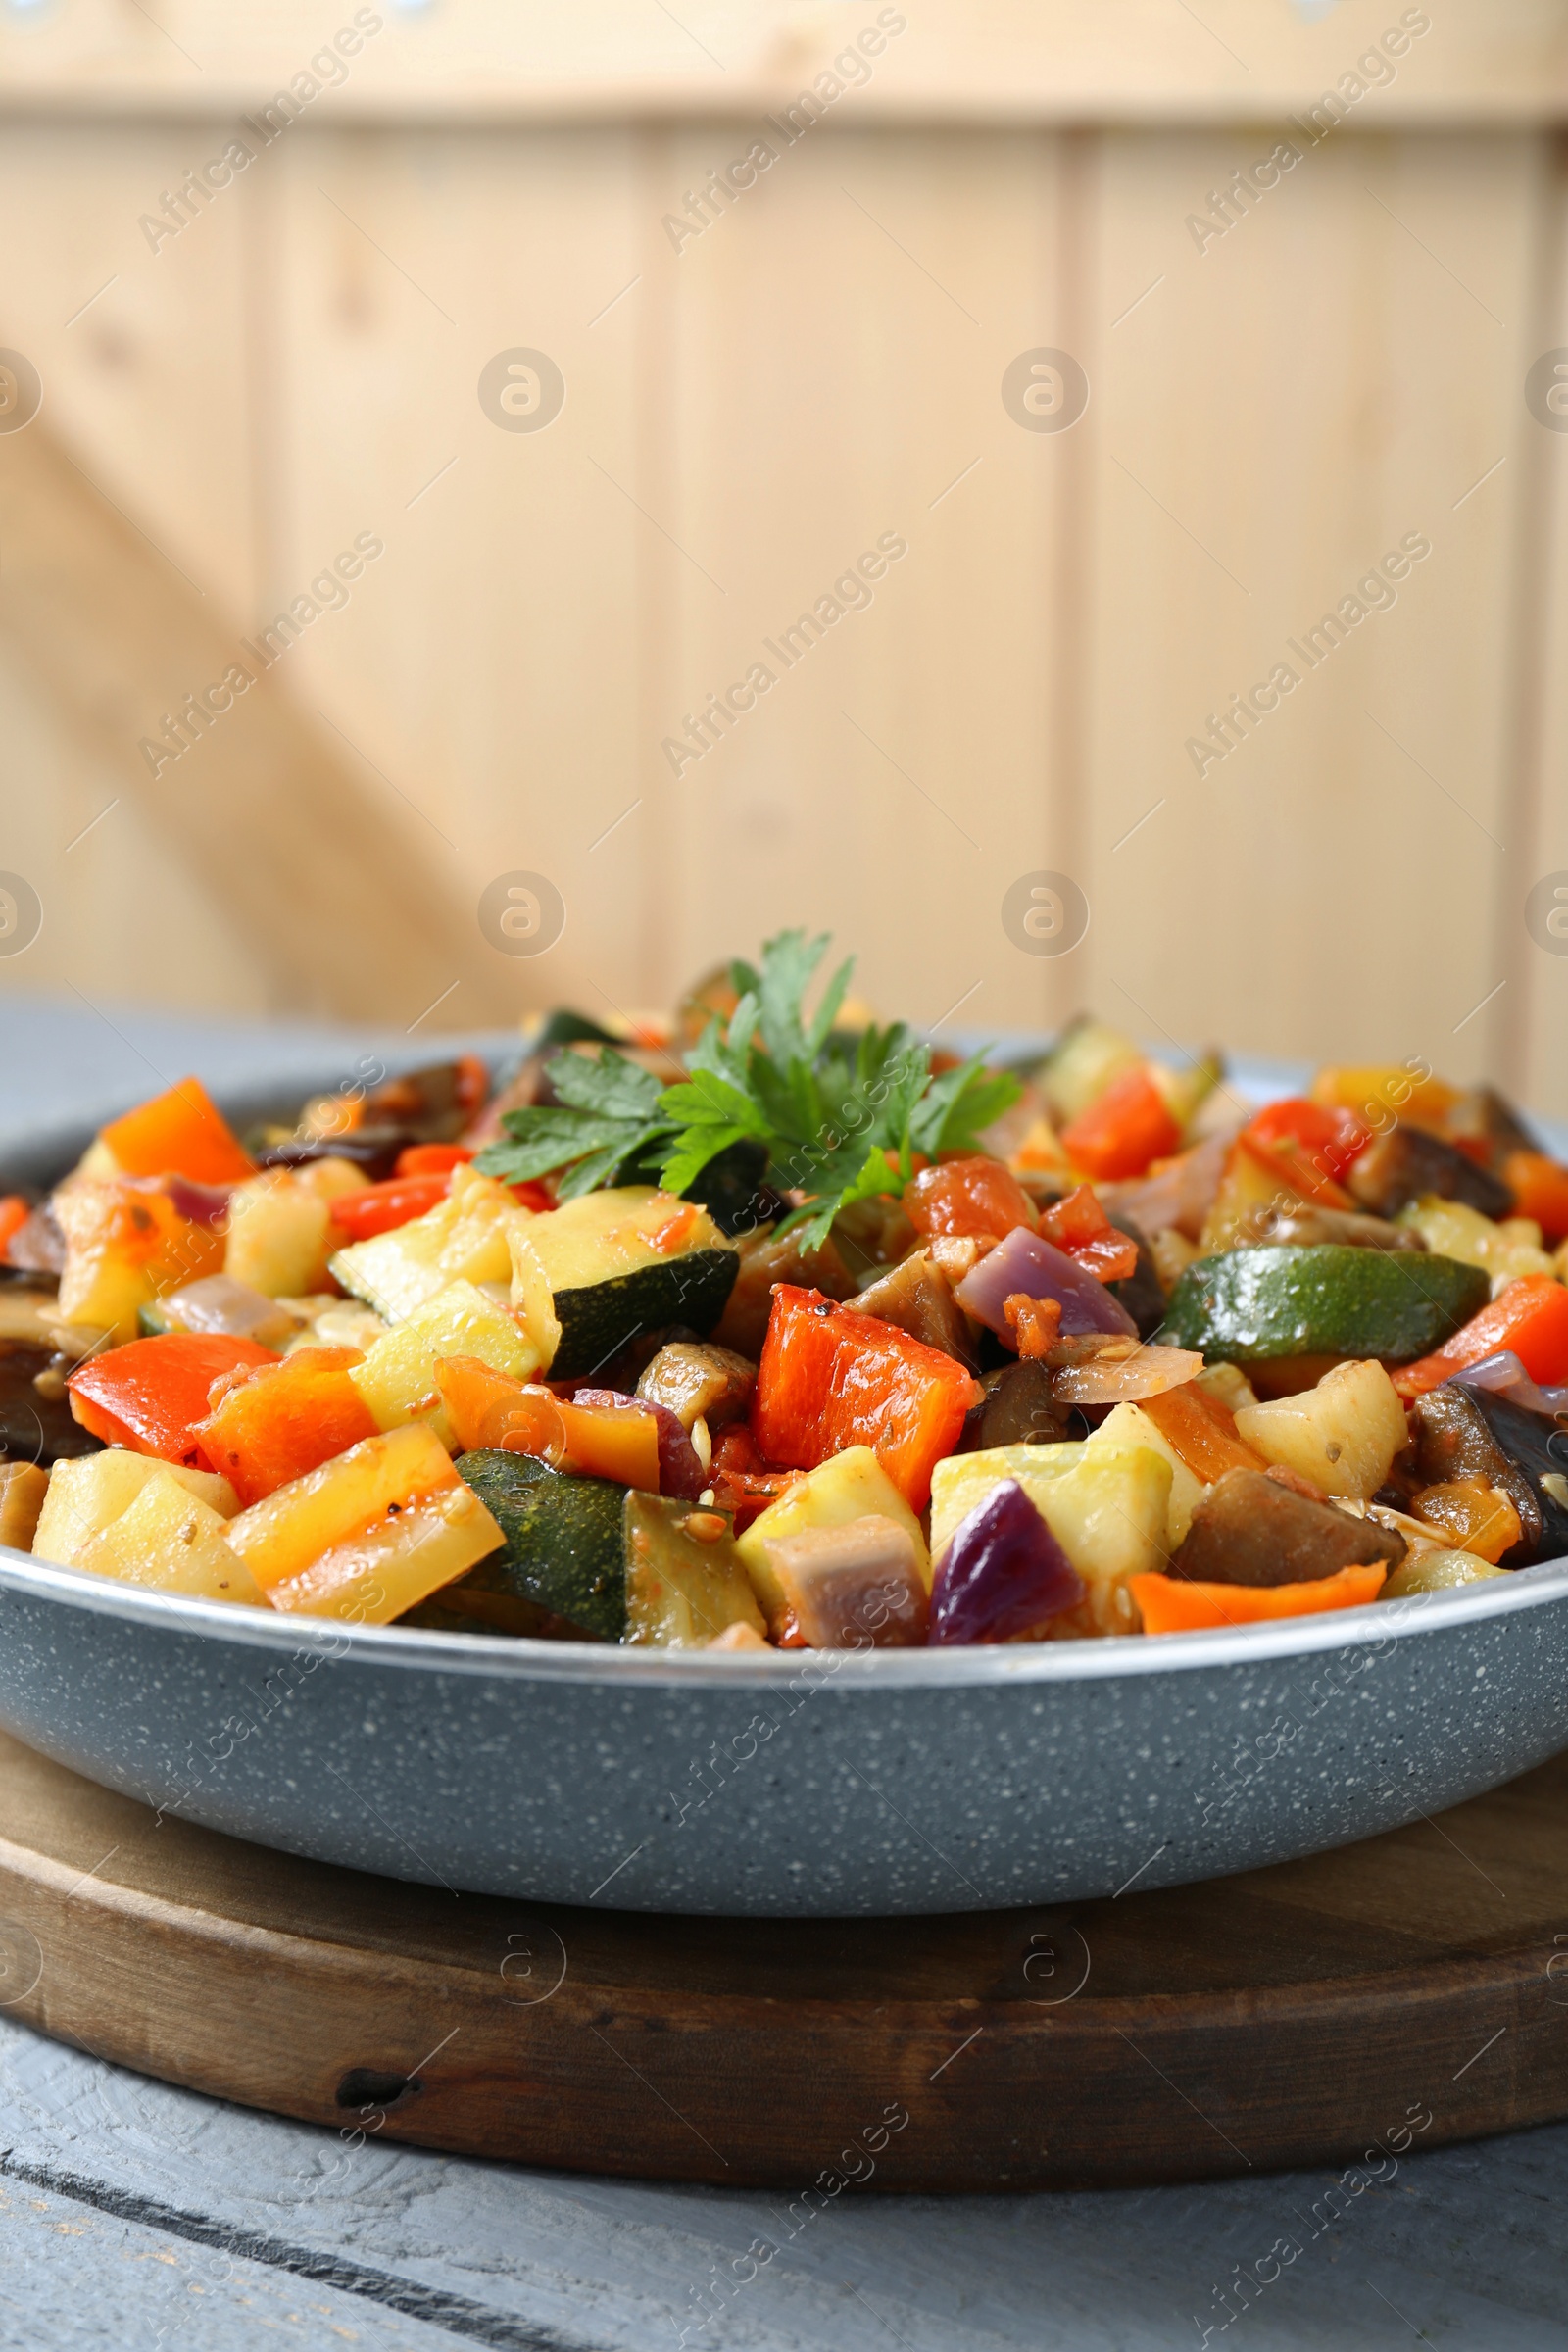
(850, 1586)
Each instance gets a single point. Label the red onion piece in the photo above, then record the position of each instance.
(680, 1471)
(202, 1203)
(1024, 1262)
(1148, 1373)
(1002, 1572)
(1504, 1375)
(1181, 1194)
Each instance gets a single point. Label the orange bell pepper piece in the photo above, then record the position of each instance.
(181, 1133)
(1539, 1189)
(1201, 1430)
(489, 1409)
(274, 1423)
(1169, 1604)
(150, 1395)
(830, 1379)
(1123, 1129)
(381, 1207)
(431, 1159)
(1531, 1316)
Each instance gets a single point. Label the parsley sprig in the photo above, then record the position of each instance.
(840, 1123)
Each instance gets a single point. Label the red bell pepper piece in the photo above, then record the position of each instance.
(1123, 1129)
(431, 1159)
(972, 1195)
(149, 1396)
(1539, 1189)
(742, 1481)
(14, 1214)
(1312, 1143)
(1079, 1225)
(1531, 1316)
(830, 1379)
(381, 1207)
(272, 1423)
(181, 1133)
(531, 1195)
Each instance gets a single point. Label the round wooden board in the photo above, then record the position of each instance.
(1401, 1992)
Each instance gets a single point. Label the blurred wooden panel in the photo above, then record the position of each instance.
(1017, 59)
(489, 672)
(1341, 368)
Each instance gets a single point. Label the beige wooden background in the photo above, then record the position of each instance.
(822, 364)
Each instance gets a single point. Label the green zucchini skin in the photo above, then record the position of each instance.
(1246, 1306)
(564, 1551)
(598, 1321)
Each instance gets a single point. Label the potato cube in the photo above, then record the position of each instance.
(398, 1560)
(290, 1529)
(398, 1377)
(847, 1486)
(1129, 1425)
(23, 1488)
(1108, 1509)
(1343, 1434)
(172, 1540)
(464, 1238)
(90, 1493)
(280, 1235)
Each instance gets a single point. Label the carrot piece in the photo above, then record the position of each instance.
(489, 1409)
(14, 1214)
(274, 1422)
(381, 1207)
(1201, 1430)
(1539, 1189)
(1169, 1604)
(181, 1133)
(1531, 1316)
(151, 1395)
(830, 1379)
(1123, 1129)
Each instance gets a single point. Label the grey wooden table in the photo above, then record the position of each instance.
(134, 2215)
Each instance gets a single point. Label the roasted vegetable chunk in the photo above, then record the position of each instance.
(1249, 1530)
(1464, 1433)
(1403, 1165)
(700, 1382)
(917, 1296)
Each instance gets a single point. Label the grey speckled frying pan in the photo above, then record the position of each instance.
(823, 1783)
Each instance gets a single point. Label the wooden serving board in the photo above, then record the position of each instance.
(1397, 1993)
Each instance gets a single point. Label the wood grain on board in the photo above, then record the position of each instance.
(1402, 1992)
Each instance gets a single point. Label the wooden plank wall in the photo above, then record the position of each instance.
(744, 418)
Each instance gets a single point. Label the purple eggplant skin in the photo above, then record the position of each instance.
(1038, 1268)
(1002, 1574)
(1141, 1293)
(1482, 1434)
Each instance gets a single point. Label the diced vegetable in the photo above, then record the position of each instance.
(1080, 1225)
(1314, 1142)
(1255, 1190)
(852, 1486)
(178, 1133)
(830, 1379)
(281, 1235)
(1372, 1090)
(220, 1303)
(369, 1533)
(1003, 1576)
(1147, 1372)
(1169, 1605)
(1018, 1407)
(1123, 1129)
(1250, 1305)
(463, 1238)
(23, 1488)
(1200, 1430)
(170, 1539)
(89, 1494)
(1476, 1517)
(150, 1395)
(613, 1436)
(851, 1587)
(1129, 1425)
(1087, 1057)
(1540, 1190)
(680, 1468)
(630, 1260)
(1408, 1164)
(491, 1412)
(1026, 1264)
(1249, 1530)
(562, 1563)
(1437, 1572)
(1505, 1252)
(14, 1212)
(973, 1195)
(433, 1159)
(917, 1297)
(1179, 1194)
(1530, 1317)
(398, 1200)
(1342, 1435)
(125, 1244)
(700, 1382)
(285, 1418)
(1306, 1226)
(1463, 1433)
(1105, 1506)
(685, 1586)
(398, 1377)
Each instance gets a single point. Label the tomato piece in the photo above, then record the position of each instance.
(150, 1395)
(973, 1195)
(1079, 1225)
(1123, 1129)
(1539, 1189)
(830, 1379)
(272, 1423)
(383, 1208)
(1531, 1316)
(430, 1159)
